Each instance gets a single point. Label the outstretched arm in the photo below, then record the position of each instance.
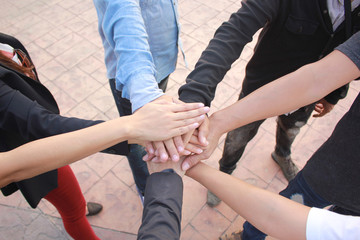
(152, 122)
(269, 212)
(302, 87)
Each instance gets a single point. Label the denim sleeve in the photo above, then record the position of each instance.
(125, 32)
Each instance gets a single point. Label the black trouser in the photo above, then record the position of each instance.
(136, 153)
(288, 127)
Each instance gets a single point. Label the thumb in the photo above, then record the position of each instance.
(191, 161)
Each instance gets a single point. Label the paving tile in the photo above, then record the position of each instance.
(189, 233)
(63, 40)
(210, 223)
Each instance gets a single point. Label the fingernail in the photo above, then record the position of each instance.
(145, 158)
(202, 116)
(186, 166)
(201, 105)
(164, 156)
(206, 109)
(175, 158)
(180, 149)
(186, 152)
(199, 151)
(203, 140)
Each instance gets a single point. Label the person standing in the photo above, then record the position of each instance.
(295, 33)
(140, 40)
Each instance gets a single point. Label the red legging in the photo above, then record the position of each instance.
(70, 202)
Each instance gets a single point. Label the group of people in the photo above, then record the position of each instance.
(307, 53)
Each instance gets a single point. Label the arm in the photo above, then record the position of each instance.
(122, 25)
(269, 212)
(27, 119)
(226, 47)
(304, 86)
(163, 202)
(152, 122)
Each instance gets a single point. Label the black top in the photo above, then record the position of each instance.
(295, 33)
(28, 112)
(334, 169)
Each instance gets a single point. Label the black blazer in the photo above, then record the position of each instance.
(28, 111)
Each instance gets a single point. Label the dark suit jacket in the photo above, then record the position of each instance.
(28, 112)
(162, 207)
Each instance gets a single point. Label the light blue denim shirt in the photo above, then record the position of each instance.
(140, 39)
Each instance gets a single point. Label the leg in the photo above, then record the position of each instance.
(70, 202)
(235, 143)
(136, 153)
(288, 128)
(297, 190)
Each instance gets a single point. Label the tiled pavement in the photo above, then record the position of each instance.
(62, 37)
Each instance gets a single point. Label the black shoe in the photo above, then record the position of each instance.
(93, 208)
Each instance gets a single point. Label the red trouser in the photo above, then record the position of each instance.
(70, 202)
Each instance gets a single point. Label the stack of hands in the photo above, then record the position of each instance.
(185, 150)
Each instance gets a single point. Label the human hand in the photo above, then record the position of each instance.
(322, 108)
(212, 141)
(160, 120)
(175, 147)
(158, 167)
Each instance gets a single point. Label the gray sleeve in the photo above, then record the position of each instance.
(162, 207)
(351, 48)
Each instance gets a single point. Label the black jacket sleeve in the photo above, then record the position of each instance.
(337, 94)
(225, 48)
(30, 121)
(162, 207)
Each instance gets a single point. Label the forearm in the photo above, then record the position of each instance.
(50, 153)
(302, 87)
(271, 213)
(125, 31)
(225, 48)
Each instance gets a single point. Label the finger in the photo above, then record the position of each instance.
(161, 151)
(204, 132)
(179, 144)
(149, 147)
(171, 149)
(194, 140)
(186, 137)
(191, 113)
(191, 161)
(184, 107)
(148, 157)
(193, 148)
(185, 129)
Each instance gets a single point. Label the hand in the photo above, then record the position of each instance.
(322, 108)
(158, 167)
(170, 148)
(212, 142)
(160, 120)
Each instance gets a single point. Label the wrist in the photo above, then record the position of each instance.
(217, 123)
